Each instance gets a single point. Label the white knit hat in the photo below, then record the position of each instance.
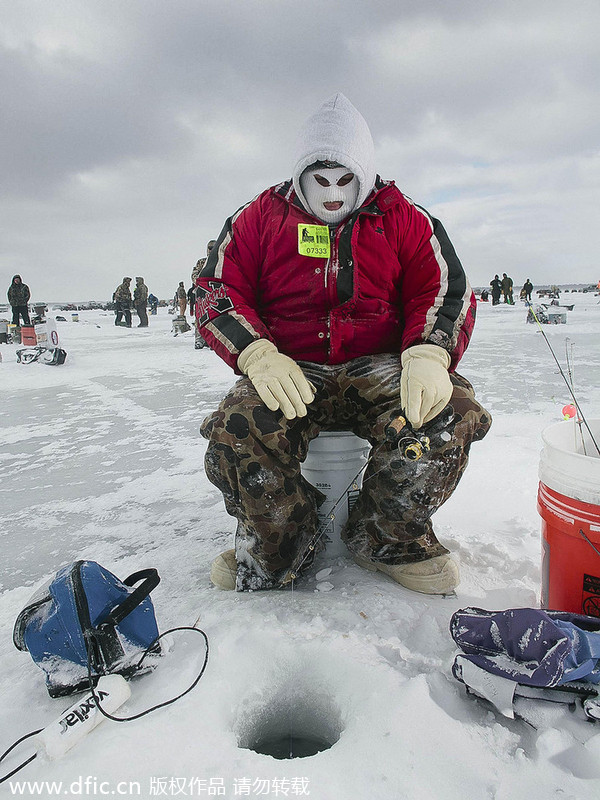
(337, 132)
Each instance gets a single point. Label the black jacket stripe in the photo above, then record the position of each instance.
(453, 303)
(233, 330)
(209, 268)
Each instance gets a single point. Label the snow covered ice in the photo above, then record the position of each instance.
(101, 459)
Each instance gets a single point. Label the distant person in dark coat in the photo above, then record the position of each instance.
(181, 299)
(140, 301)
(507, 289)
(496, 285)
(122, 300)
(153, 303)
(18, 297)
(527, 289)
(191, 296)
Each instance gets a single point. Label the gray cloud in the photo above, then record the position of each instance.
(131, 130)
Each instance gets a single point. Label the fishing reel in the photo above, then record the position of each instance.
(411, 445)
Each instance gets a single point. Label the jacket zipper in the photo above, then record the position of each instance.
(331, 288)
(332, 258)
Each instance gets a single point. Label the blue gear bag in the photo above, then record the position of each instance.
(86, 621)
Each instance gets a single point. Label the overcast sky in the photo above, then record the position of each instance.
(131, 129)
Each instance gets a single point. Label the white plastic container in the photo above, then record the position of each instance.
(569, 462)
(46, 333)
(556, 316)
(334, 459)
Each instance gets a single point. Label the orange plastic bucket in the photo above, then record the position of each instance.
(569, 504)
(28, 337)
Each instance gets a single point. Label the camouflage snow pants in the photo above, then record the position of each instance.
(254, 457)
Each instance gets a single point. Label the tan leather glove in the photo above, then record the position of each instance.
(278, 380)
(425, 386)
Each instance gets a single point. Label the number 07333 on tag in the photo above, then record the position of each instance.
(313, 241)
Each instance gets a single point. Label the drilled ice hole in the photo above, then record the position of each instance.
(294, 721)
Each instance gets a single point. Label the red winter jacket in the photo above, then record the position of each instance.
(392, 280)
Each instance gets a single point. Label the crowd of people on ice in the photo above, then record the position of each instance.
(141, 300)
(503, 287)
(124, 302)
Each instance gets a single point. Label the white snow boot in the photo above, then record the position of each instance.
(223, 570)
(437, 575)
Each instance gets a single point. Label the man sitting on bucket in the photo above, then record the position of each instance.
(345, 307)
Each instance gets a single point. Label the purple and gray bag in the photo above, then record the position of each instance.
(505, 651)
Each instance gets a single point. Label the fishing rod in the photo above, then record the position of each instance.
(330, 516)
(570, 370)
(564, 377)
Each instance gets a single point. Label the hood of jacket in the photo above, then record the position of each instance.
(17, 276)
(337, 132)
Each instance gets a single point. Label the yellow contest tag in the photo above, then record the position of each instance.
(313, 241)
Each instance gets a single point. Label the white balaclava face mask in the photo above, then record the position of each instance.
(331, 192)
